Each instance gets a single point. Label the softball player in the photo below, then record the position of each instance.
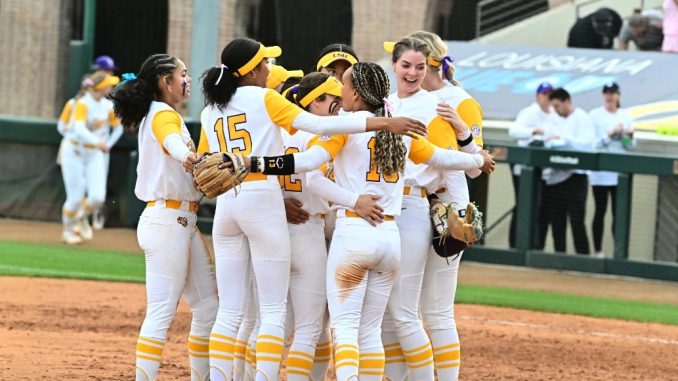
(402, 325)
(242, 116)
(440, 277)
(177, 258)
(319, 94)
(106, 64)
(245, 343)
(69, 234)
(365, 253)
(335, 59)
(82, 159)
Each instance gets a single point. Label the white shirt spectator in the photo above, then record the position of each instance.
(529, 119)
(605, 122)
(576, 131)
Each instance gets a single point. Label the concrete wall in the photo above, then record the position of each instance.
(36, 33)
(31, 46)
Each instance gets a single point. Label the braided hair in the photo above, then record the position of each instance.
(371, 83)
(132, 98)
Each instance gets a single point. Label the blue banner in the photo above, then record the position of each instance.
(504, 78)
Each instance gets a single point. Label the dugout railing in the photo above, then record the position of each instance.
(23, 139)
(628, 165)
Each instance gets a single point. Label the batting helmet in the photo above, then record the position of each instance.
(103, 63)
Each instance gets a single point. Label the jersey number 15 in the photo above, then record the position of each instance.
(239, 140)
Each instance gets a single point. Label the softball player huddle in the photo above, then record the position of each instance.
(350, 149)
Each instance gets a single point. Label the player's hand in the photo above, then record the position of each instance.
(101, 145)
(450, 115)
(368, 208)
(294, 212)
(488, 162)
(191, 159)
(406, 126)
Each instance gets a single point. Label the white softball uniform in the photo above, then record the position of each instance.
(92, 122)
(308, 266)
(252, 227)
(364, 259)
(403, 309)
(440, 276)
(177, 258)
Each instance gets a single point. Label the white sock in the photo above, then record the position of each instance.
(395, 368)
(199, 357)
(447, 353)
(149, 355)
(418, 355)
(269, 352)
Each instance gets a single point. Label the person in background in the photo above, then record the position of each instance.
(595, 31)
(644, 29)
(566, 189)
(670, 26)
(527, 129)
(104, 63)
(614, 133)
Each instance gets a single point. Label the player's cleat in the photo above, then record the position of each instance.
(98, 219)
(84, 229)
(70, 238)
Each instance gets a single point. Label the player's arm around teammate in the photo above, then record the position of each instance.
(177, 258)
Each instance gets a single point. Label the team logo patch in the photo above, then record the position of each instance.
(183, 221)
(324, 138)
(475, 130)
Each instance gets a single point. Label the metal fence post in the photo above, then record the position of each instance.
(622, 216)
(525, 228)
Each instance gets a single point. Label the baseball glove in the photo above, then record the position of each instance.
(212, 178)
(453, 233)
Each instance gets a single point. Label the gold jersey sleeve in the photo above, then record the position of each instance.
(112, 119)
(441, 134)
(80, 112)
(420, 150)
(66, 112)
(281, 111)
(471, 113)
(332, 144)
(166, 122)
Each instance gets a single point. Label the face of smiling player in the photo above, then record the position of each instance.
(410, 70)
(178, 85)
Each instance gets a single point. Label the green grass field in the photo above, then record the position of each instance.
(22, 259)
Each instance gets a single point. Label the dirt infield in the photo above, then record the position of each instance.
(86, 330)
